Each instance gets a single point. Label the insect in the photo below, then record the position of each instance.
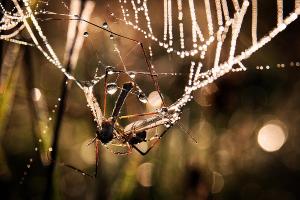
(111, 134)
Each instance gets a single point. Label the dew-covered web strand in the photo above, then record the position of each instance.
(149, 65)
(37, 146)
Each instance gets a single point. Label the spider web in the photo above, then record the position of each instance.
(220, 23)
(221, 31)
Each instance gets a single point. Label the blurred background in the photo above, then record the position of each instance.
(246, 123)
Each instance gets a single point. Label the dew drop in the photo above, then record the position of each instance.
(85, 34)
(109, 70)
(168, 125)
(28, 166)
(142, 97)
(36, 149)
(40, 140)
(111, 37)
(132, 75)
(50, 149)
(105, 25)
(112, 88)
(164, 110)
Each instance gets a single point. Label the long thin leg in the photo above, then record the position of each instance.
(96, 165)
(149, 149)
(121, 99)
(78, 170)
(154, 78)
(97, 157)
(105, 92)
(138, 115)
(187, 132)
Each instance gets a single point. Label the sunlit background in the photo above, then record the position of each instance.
(247, 124)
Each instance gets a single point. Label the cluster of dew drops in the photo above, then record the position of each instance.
(36, 148)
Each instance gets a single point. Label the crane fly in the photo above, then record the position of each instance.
(111, 134)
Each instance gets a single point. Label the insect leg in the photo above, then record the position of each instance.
(121, 99)
(105, 92)
(96, 165)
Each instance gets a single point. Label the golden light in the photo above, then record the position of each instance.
(272, 136)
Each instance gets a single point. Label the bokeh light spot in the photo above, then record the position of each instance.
(144, 174)
(154, 99)
(218, 182)
(271, 136)
(36, 94)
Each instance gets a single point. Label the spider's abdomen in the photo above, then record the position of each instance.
(105, 135)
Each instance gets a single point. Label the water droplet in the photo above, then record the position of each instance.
(85, 34)
(28, 166)
(142, 97)
(112, 88)
(164, 110)
(50, 149)
(168, 124)
(36, 149)
(40, 140)
(111, 37)
(105, 25)
(132, 75)
(30, 160)
(110, 70)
